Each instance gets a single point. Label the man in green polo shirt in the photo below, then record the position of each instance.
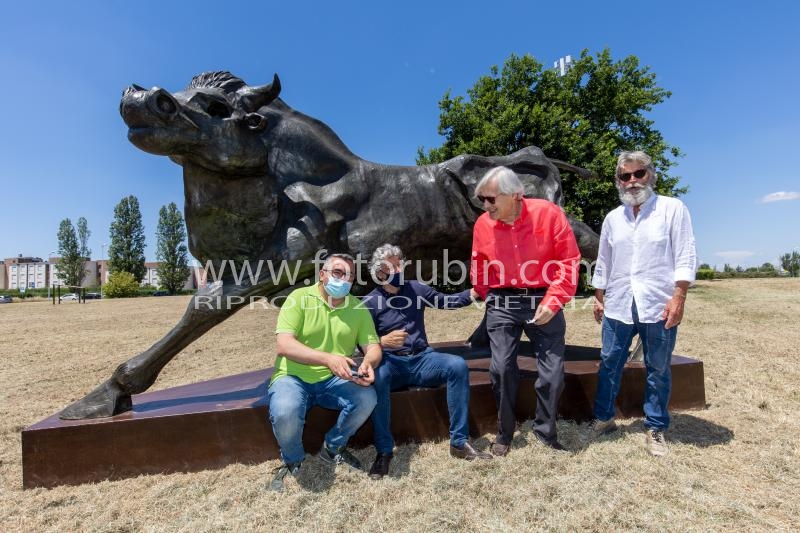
(318, 330)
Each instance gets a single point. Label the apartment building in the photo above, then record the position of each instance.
(25, 273)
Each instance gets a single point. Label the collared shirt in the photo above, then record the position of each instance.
(640, 258)
(406, 310)
(537, 250)
(337, 330)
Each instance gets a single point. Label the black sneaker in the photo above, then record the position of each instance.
(340, 457)
(280, 473)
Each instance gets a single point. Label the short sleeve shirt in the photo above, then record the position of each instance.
(308, 317)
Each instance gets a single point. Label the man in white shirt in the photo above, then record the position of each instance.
(645, 264)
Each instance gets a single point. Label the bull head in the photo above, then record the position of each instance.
(215, 122)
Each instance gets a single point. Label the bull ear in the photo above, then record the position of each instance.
(254, 98)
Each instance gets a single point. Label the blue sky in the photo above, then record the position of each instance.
(374, 72)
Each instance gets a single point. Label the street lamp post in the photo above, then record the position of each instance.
(49, 273)
(102, 255)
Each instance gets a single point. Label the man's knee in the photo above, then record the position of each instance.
(457, 367)
(285, 412)
(364, 399)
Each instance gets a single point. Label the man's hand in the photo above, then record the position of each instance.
(394, 339)
(474, 295)
(369, 375)
(598, 310)
(673, 312)
(340, 366)
(543, 315)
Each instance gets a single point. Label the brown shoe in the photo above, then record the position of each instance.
(500, 450)
(467, 452)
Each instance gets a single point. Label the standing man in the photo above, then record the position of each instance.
(525, 265)
(645, 264)
(398, 309)
(318, 330)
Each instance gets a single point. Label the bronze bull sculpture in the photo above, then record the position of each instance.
(264, 182)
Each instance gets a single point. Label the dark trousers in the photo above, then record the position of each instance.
(506, 318)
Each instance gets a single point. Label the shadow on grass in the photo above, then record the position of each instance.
(684, 429)
(688, 429)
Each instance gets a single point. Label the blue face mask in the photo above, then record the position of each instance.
(395, 280)
(337, 288)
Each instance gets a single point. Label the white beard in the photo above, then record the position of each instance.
(635, 194)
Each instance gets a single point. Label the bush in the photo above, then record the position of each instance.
(705, 273)
(121, 285)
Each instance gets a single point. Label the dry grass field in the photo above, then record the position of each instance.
(733, 466)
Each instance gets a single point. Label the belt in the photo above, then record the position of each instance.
(406, 353)
(511, 291)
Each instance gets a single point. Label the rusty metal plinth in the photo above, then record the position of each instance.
(214, 423)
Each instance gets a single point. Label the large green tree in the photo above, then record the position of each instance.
(83, 238)
(126, 250)
(586, 117)
(70, 264)
(171, 251)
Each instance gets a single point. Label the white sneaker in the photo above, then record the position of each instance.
(655, 443)
(602, 427)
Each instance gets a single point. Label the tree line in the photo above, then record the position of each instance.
(126, 259)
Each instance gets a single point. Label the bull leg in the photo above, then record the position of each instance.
(138, 373)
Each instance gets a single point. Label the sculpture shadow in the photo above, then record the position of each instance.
(258, 394)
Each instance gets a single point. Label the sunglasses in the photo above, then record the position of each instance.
(638, 174)
(490, 199)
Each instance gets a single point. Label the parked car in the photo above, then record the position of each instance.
(92, 296)
(161, 293)
(70, 296)
(6, 299)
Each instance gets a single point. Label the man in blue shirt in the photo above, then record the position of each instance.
(398, 310)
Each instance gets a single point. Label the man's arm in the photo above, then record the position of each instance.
(568, 256)
(477, 270)
(673, 312)
(291, 348)
(602, 268)
(599, 306)
(372, 358)
(682, 237)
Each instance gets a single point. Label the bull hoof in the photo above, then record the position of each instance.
(106, 400)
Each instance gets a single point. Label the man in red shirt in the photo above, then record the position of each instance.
(525, 265)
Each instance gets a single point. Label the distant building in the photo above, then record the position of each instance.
(151, 277)
(90, 277)
(34, 273)
(25, 273)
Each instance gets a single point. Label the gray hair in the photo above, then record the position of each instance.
(381, 254)
(506, 179)
(637, 157)
(346, 257)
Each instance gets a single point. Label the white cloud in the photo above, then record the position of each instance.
(781, 195)
(735, 256)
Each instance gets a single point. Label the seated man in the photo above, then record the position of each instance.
(407, 358)
(318, 329)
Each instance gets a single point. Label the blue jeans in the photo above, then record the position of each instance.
(290, 398)
(426, 369)
(658, 343)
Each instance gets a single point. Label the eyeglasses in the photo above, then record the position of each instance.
(626, 176)
(338, 273)
(490, 199)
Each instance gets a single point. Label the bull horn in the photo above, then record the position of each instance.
(254, 98)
